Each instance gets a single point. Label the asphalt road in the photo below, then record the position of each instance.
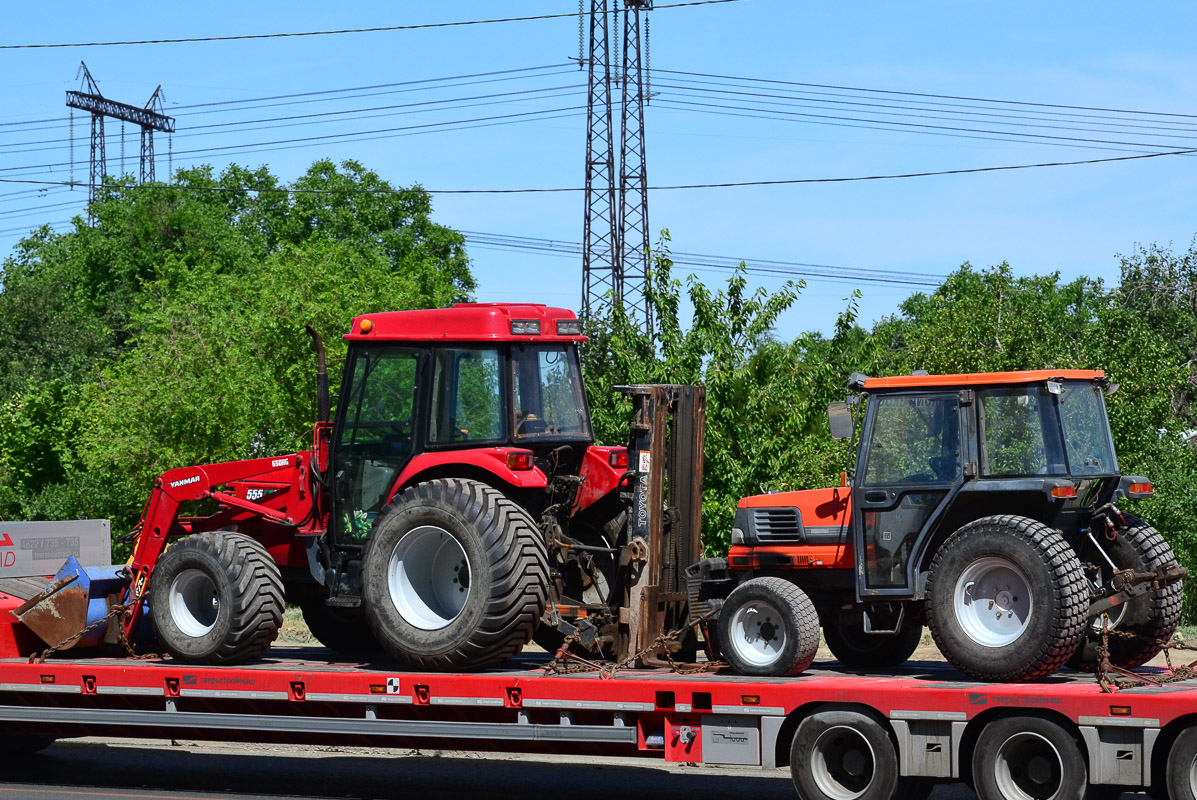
(86, 769)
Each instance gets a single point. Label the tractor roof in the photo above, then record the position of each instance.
(465, 322)
(980, 379)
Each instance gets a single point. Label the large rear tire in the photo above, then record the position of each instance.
(855, 648)
(768, 627)
(1151, 618)
(454, 576)
(216, 598)
(1007, 599)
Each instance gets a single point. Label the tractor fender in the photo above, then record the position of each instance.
(602, 470)
(492, 460)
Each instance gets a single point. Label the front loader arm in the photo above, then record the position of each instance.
(160, 518)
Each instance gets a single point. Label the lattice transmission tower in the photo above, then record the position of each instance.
(149, 118)
(615, 261)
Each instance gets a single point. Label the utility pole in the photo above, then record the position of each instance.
(601, 283)
(149, 118)
(633, 239)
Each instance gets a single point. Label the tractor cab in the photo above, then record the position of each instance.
(486, 390)
(936, 452)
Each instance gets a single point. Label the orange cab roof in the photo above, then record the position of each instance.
(982, 378)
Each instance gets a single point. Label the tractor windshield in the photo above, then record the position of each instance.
(1050, 429)
(549, 399)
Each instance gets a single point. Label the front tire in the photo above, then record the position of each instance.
(1151, 618)
(855, 648)
(454, 577)
(216, 598)
(1007, 599)
(768, 627)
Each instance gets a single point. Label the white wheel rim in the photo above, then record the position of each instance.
(428, 576)
(757, 632)
(842, 763)
(993, 602)
(1028, 767)
(194, 602)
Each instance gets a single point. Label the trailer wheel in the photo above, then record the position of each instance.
(768, 627)
(1181, 775)
(338, 629)
(216, 598)
(855, 648)
(1151, 618)
(1007, 599)
(1018, 758)
(849, 755)
(454, 576)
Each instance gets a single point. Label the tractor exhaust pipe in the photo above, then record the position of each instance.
(322, 401)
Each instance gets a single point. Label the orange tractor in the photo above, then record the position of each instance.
(983, 506)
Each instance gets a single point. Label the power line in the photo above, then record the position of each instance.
(927, 94)
(382, 29)
(671, 187)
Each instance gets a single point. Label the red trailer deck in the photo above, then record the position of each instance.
(932, 718)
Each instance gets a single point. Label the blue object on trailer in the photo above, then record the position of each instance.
(76, 598)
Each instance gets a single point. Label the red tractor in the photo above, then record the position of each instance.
(456, 498)
(983, 506)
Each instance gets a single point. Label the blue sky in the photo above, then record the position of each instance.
(1074, 220)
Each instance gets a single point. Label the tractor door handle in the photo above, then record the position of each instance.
(876, 496)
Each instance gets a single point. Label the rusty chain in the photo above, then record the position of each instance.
(1107, 672)
(560, 664)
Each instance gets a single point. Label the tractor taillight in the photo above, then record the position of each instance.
(525, 327)
(520, 460)
(618, 459)
(1140, 489)
(1063, 491)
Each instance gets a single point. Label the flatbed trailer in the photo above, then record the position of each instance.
(932, 717)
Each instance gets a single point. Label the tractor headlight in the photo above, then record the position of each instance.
(525, 327)
(737, 536)
(569, 327)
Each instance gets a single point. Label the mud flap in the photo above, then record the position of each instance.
(75, 598)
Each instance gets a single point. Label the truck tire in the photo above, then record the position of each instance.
(454, 576)
(1181, 775)
(340, 630)
(855, 648)
(768, 627)
(216, 598)
(1007, 599)
(841, 754)
(1022, 757)
(1151, 618)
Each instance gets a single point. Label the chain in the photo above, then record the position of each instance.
(1107, 672)
(560, 665)
(116, 611)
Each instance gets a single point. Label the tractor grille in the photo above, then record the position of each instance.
(777, 524)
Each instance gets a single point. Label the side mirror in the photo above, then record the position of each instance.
(839, 418)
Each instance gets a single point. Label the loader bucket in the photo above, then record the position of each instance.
(75, 598)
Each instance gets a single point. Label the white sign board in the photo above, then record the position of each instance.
(30, 549)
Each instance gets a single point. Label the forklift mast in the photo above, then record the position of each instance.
(665, 519)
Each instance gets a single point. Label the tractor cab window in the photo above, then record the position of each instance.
(467, 396)
(1020, 433)
(549, 401)
(376, 435)
(1086, 430)
(914, 440)
(913, 458)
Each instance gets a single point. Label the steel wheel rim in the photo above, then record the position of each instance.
(1028, 767)
(1193, 776)
(842, 763)
(194, 602)
(428, 576)
(758, 633)
(993, 602)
